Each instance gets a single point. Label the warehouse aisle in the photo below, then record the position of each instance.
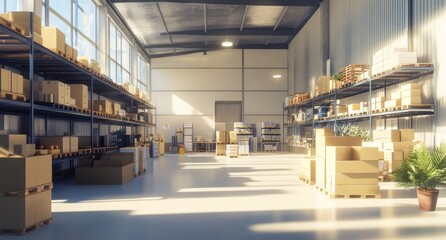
(202, 197)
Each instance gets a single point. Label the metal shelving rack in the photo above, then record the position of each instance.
(395, 76)
(23, 54)
(270, 142)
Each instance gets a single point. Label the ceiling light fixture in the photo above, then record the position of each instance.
(277, 76)
(227, 43)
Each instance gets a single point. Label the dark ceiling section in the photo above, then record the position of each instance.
(177, 27)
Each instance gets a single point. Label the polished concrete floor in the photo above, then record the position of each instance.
(257, 197)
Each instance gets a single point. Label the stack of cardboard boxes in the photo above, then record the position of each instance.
(22, 20)
(57, 92)
(25, 185)
(324, 138)
(410, 94)
(139, 164)
(322, 85)
(222, 138)
(65, 144)
(243, 146)
(11, 82)
(159, 138)
(396, 146)
(232, 150)
(80, 93)
(103, 106)
(352, 171)
(378, 103)
(307, 170)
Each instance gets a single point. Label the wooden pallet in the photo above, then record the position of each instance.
(13, 27)
(309, 182)
(270, 151)
(28, 191)
(27, 229)
(322, 190)
(64, 155)
(243, 155)
(232, 156)
(417, 106)
(13, 96)
(220, 154)
(356, 196)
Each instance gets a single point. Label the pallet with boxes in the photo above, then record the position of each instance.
(307, 170)
(25, 195)
(394, 146)
(11, 85)
(232, 150)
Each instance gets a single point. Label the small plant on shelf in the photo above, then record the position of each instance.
(339, 76)
(425, 170)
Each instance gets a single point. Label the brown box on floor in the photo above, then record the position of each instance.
(53, 39)
(21, 212)
(28, 172)
(307, 170)
(80, 93)
(111, 169)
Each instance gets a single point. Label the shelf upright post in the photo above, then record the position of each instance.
(335, 109)
(31, 80)
(370, 109)
(313, 124)
(131, 123)
(91, 115)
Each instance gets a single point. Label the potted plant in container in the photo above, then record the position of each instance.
(425, 170)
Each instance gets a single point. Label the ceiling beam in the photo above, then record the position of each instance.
(235, 32)
(200, 45)
(165, 25)
(279, 20)
(241, 25)
(236, 2)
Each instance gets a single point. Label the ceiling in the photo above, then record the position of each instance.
(167, 28)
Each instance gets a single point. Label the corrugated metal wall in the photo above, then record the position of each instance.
(359, 28)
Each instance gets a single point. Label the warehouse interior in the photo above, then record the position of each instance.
(196, 119)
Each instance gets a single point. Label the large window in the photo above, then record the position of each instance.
(10, 5)
(77, 19)
(143, 74)
(118, 55)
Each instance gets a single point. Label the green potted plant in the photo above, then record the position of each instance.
(425, 170)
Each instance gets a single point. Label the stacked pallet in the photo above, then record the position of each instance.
(25, 187)
(352, 171)
(352, 72)
(65, 144)
(222, 138)
(396, 145)
(138, 160)
(11, 85)
(232, 150)
(325, 137)
(243, 146)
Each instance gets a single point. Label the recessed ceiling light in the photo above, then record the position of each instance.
(227, 43)
(277, 76)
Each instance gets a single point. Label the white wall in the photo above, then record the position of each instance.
(185, 88)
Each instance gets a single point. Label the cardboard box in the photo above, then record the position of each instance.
(410, 101)
(53, 39)
(232, 136)
(17, 212)
(116, 108)
(22, 20)
(95, 66)
(67, 95)
(137, 154)
(393, 155)
(43, 205)
(356, 190)
(353, 166)
(106, 106)
(320, 172)
(338, 141)
(105, 172)
(28, 172)
(38, 38)
(66, 144)
(387, 135)
(324, 132)
(407, 135)
(68, 51)
(9, 141)
(5, 80)
(411, 93)
(354, 107)
(392, 103)
(365, 153)
(337, 153)
(353, 179)
(308, 170)
(84, 60)
(378, 145)
(80, 93)
(410, 86)
(57, 89)
(381, 155)
(74, 54)
(399, 146)
(395, 95)
(16, 83)
(311, 152)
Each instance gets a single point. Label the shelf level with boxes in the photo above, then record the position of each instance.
(41, 72)
(397, 75)
(271, 135)
(188, 135)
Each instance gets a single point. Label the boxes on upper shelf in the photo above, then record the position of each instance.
(61, 92)
(116, 108)
(16, 83)
(8, 142)
(5, 80)
(66, 144)
(80, 93)
(53, 39)
(105, 106)
(22, 20)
